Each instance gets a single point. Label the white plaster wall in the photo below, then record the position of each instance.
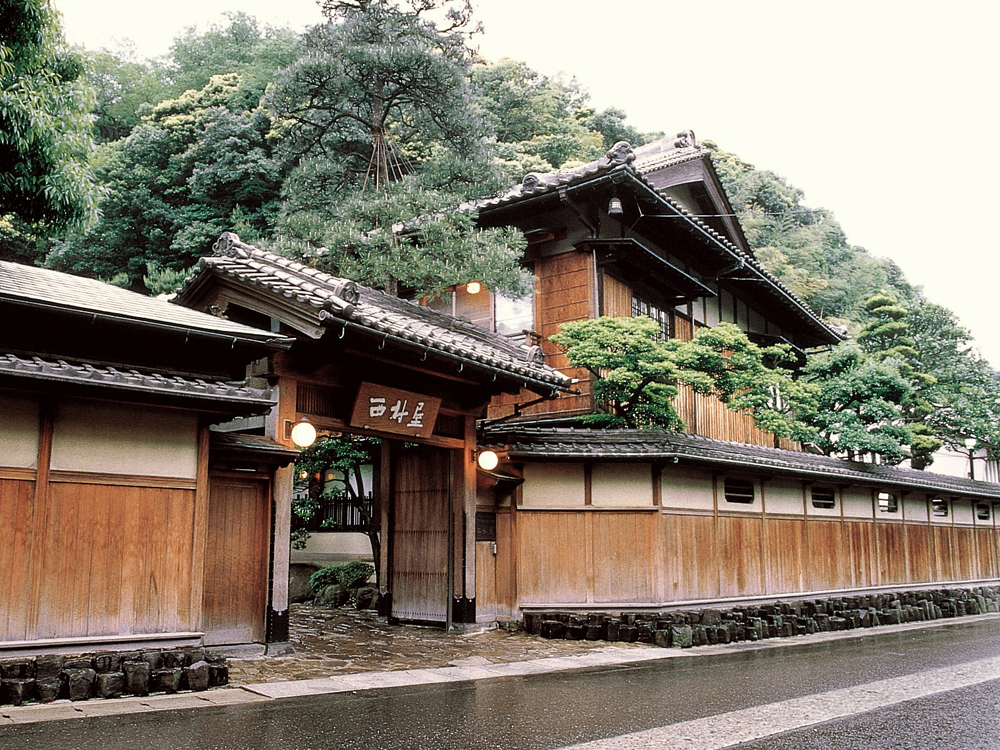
(336, 546)
(914, 506)
(783, 496)
(711, 311)
(686, 489)
(962, 512)
(552, 485)
(857, 502)
(110, 438)
(18, 431)
(621, 485)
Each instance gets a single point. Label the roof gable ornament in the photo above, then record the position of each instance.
(620, 153)
(229, 243)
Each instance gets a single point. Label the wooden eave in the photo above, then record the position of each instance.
(634, 254)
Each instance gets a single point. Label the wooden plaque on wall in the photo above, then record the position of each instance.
(378, 407)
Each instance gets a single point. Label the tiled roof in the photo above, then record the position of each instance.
(133, 381)
(668, 152)
(258, 445)
(42, 286)
(540, 443)
(340, 303)
(623, 160)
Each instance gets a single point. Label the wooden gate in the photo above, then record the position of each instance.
(419, 578)
(236, 560)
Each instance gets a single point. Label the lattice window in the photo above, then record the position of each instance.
(641, 308)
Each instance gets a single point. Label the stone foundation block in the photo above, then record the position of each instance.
(197, 675)
(111, 684)
(80, 683)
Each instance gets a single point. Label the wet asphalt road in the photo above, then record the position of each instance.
(549, 711)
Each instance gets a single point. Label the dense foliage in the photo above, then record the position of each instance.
(349, 146)
(46, 184)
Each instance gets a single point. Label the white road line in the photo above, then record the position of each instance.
(727, 730)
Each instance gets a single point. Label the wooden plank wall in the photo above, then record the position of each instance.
(604, 557)
(565, 292)
(94, 559)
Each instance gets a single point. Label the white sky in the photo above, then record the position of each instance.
(882, 111)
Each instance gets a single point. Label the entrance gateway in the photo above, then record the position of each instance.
(365, 362)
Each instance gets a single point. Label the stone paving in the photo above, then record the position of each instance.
(330, 642)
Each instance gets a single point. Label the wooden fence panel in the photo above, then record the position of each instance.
(891, 541)
(944, 553)
(986, 552)
(967, 564)
(741, 566)
(16, 512)
(784, 555)
(919, 552)
(690, 557)
(826, 556)
(622, 556)
(99, 570)
(860, 544)
(551, 565)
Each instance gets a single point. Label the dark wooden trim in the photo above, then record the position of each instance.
(40, 514)
(199, 537)
(588, 484)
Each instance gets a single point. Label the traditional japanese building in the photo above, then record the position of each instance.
(594, 520)
(366, 363)
(127, 522)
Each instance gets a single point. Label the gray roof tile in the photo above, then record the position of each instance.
(340, 302)
(133, 381)
(33, 285)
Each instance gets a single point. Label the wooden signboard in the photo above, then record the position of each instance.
(378, 407)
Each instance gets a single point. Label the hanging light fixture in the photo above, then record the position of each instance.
(474, 287)
(303, 433)
(615, 206)
(488, 460)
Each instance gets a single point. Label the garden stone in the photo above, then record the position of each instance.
(333, 595)
(218, 674)
(298, 582)
(165, 680)
(48, 667)
(17, 691)
(49, 689)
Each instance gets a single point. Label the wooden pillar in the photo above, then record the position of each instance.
(464, 526)
(281, 521)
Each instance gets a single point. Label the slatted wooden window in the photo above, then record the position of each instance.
(739, 491)
(983, 511)
(823, 497)
(643, 309)
(887, 502)
(939, 507)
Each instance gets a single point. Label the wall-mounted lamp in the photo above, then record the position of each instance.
(303, 434)
(473, 287)
(488, 460)
(615, 206)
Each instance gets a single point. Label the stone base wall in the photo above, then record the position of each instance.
(109, 674)
(684, 629)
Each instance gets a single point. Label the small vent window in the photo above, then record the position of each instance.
(887, 502)
(739, 491)
(939, 507)
(823, 497)
(983, 511)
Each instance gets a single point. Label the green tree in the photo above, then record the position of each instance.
(342, 457)
(124, 85)
(193, 168)
(637, 373)
(858, 408)
(45, 133)
(376, 87)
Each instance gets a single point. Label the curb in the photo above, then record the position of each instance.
(474, 670)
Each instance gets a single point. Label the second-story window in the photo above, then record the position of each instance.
(513, 316)
(641, 308)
